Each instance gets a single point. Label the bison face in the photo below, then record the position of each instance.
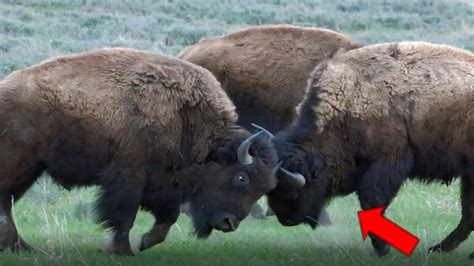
(302, 187)
(235, 177)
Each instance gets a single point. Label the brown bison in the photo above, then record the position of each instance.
(372, 118)
(265, 69)
(150, 130)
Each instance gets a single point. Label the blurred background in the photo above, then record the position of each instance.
(60, 224)
(33, 30)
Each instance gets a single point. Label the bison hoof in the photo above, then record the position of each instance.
(382, 251)
(151, 239)
(440, 248)
(435, 248)
(22, 246)
(145, 243)
(16, 247)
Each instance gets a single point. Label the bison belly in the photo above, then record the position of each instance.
(75, 161)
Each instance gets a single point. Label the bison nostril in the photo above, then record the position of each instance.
(225, 222)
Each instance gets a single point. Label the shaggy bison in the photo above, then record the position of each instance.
(265, 69)
(151, 131)
(374, 117)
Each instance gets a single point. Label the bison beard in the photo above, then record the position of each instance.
(202, 229)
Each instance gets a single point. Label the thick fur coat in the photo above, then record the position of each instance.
(152, 131)
(265, 69)
(373, 117)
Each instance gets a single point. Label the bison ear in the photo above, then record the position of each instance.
(146, 73)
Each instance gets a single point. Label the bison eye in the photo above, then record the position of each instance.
(240, 179)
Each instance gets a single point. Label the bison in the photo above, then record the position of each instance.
(150, 130)
(372, 118)
(264, 69)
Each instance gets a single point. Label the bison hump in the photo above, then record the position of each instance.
(146, 73)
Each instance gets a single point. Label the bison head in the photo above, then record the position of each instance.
(236, 175)
(303, 185)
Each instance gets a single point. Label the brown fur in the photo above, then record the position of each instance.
(152, 131)
(373, 117)
(397, 94)
(267, 67)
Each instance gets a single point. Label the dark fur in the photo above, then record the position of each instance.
(264, 69)
(151, 131)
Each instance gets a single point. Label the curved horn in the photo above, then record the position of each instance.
(277, 167)
(295, 178)
(263, 129)
(243, 152)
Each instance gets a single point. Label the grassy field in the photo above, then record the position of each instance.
(60, 224)
(33, 30)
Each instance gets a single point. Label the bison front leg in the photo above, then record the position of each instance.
(165, 211)
(466, 225)
(9, 237)
(118, 206)
(156, 235)
(378, 186)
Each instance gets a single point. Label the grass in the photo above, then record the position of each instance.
(60, 223)
(33, 30)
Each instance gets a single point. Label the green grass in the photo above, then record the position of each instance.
(33, 30)
(60, 225)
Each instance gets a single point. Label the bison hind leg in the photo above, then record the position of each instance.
(466, 225)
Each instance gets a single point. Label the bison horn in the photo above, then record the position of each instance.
(243, 152)
(277, 167)
(263, 129)
(295, 178)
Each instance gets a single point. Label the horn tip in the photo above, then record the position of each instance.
(262, 129)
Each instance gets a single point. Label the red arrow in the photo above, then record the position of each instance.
(374, 222)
